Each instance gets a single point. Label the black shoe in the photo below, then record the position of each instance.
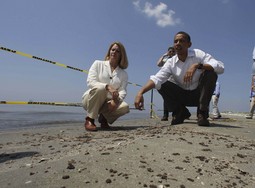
(180, 115)
(186, 113)
(103, 121)
(164, 118)
(202, 119)
(176, 121)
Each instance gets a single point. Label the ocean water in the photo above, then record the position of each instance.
(35, 116)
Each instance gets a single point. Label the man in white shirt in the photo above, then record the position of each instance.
(215, 99)
(162, 60)
(194, 74)
(252, 96)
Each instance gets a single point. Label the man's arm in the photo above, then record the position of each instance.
(162, 60)
(190, 72)
(139, 100)
(204, 66)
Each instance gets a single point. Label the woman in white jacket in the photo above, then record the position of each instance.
(107, 81)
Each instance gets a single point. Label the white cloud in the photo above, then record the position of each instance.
(163, 16)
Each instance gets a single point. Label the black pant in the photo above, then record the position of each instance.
(166, 112)
(175, 97)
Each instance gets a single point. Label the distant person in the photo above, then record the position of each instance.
(252, 96)
(194, 75)
(215, 99)
(170, 53)
(107, 82)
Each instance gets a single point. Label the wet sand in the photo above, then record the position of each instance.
(135, 153)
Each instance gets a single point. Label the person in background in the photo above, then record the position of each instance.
(215, 99)
(170, 53)
(107, 82)
(162, 60)
(194, 75)
(252, 96)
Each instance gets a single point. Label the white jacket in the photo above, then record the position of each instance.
(100, 74)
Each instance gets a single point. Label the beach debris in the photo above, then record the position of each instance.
(160, 186)
(70, 166)
(27, 182)
(65, 177)
(143, 162)
(105, 153)
(179, 168)
(190, 179)
(175, 153)
(153, 186)
(206, 149)
(43, 159)
(28, 165)
(108, 180)
(163, 176)
(113, 171)
(241, 155)
(150, 170)
(202, 158)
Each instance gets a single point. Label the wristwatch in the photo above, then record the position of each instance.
(200, 66)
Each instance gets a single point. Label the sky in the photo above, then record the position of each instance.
(78, 32)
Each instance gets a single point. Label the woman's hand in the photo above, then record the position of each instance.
(113, 105)
(113, 92)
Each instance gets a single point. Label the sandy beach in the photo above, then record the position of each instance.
(135, 153)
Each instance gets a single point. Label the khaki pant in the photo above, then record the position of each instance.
(95, 102)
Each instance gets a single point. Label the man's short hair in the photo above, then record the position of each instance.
(186, 35)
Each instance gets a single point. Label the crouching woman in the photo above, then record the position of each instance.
(107, 82)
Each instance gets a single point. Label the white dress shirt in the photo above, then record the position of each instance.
(100, 74)
(253, 65)
(253, 54)
(177, 69)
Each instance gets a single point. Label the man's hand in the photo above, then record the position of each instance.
(189, 74)
(139, 101)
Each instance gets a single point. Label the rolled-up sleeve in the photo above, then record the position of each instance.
(93, 76)
(123, 88)
(218, 66)
(161, 77)
(156, 81)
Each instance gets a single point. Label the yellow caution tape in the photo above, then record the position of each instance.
(153, 113)
(41, 59)
(41, 103)
(135, 84)
(49, 61)
(46, 103)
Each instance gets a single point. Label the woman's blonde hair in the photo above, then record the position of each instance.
(123, 64)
